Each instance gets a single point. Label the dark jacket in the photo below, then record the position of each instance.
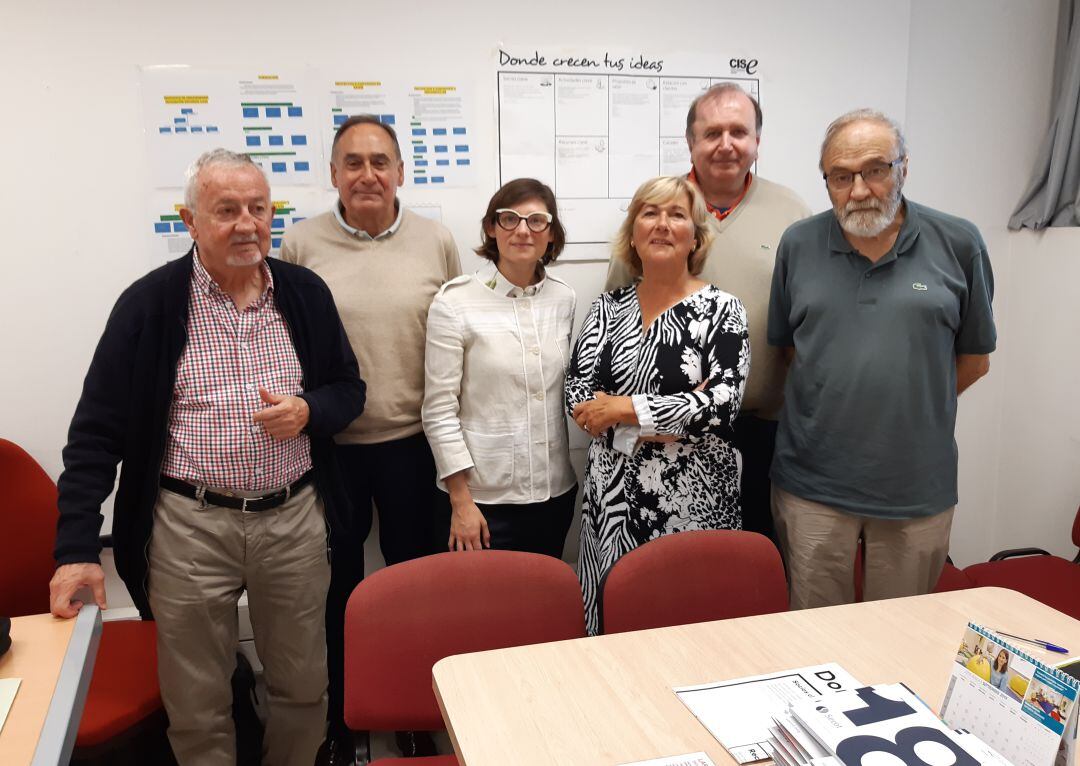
(122, 415)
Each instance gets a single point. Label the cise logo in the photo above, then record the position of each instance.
(743, 65)
(919, 286)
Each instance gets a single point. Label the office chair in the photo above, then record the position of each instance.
(1053, 580)
(123, 701)
(403, 619)
(693, 576)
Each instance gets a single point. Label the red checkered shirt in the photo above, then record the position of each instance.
(229, 355)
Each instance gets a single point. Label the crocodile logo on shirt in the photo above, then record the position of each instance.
(919, 286)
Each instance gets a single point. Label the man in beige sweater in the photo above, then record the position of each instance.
(723, 131)
(383, 265)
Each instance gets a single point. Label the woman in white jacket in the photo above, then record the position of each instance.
(498, 342)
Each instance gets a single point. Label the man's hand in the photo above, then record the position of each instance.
(66, 582)
(285, 416)
(597, 415)
(969, 368)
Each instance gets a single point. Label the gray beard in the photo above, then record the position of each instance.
(870, 217)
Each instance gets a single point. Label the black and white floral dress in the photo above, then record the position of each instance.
(638, 491)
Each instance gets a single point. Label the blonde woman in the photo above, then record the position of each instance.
(656, 378)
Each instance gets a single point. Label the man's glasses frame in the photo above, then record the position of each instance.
(873, 173)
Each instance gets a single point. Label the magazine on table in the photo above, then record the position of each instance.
(886, 720)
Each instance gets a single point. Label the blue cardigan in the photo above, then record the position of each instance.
(122, 415)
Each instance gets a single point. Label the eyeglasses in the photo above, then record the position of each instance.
(874, 173)
(509, 219)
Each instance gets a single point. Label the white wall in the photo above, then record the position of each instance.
(1038, 482)
(71, 203)
(978, 98)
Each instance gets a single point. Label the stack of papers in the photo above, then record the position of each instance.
(740, 712)
(887, 719)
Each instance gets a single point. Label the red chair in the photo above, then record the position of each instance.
(403, 619)
(124, 696)
(1034, 572)
(693, 576)
(952, 577)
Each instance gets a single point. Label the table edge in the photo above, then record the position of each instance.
(57, 737)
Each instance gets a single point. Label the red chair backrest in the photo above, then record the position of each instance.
(28, 517)
(952, 578)
(1076, 528)
(693, 576)
(403, 619)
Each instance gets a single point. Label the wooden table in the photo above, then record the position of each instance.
(608, 700)
(55, 659)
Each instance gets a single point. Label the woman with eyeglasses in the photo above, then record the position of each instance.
(656, 379)
(498, 342)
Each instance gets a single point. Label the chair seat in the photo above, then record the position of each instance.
(1053, 581)
(430, 760)
(124, 688)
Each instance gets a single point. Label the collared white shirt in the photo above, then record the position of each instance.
(339, 214)
(493, 401)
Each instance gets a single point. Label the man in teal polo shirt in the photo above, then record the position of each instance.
(883, 310)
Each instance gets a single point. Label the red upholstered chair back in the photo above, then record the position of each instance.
(693, 576)
(403, 619)
(1076, 529)
(28, 517)
(952, 578)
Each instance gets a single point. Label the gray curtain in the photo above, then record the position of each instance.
(1052, 198)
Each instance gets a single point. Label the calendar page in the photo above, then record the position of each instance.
(1016, 704)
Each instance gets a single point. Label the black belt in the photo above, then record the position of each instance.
(246, 504)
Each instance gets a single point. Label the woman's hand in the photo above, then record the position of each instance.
(597, 415)
(468, 527)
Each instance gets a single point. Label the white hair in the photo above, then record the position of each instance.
(213, 158)
(861, 115)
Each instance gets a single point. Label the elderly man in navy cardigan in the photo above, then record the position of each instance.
(217, 385)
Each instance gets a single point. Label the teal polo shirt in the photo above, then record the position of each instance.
(870, 398)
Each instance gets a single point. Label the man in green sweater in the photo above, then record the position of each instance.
(383, 264)
(723, 131)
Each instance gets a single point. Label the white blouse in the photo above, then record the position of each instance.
(493, 399)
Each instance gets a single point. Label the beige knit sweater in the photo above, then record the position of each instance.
(382, 289)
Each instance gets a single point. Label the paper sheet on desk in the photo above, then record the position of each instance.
(8, 687)
(739, 712)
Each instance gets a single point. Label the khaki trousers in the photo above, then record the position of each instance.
(201, 560)
(903, 557)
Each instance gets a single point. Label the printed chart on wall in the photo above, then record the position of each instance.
(279, 130)
(285, 121)
(595, 124)
(350, 94)
(186, 112)
(438, 142)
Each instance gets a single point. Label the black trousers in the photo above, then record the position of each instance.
(399, 476)
(532, 527)
(756, 440)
